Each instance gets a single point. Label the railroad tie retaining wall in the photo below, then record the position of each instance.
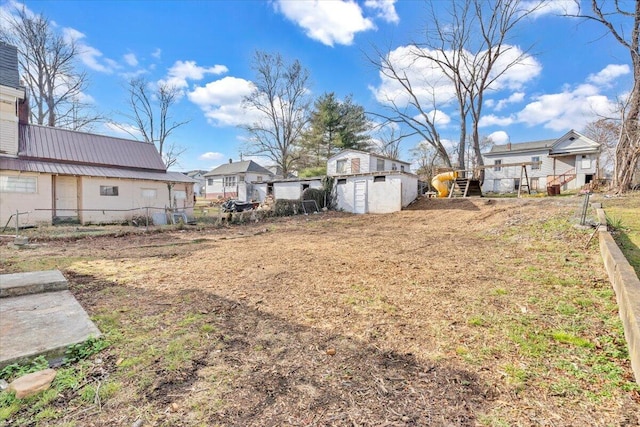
(627, 287)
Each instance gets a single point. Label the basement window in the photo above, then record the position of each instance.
(108, 190)
(380, 178)
(18, 184)
(342, 181)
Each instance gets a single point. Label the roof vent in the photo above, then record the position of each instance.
(572, 138)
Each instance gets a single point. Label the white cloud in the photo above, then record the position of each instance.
(499, 137)
(130, 58)
(569, 109)
(386, 9)
(90, 56)
(181, 71)
(329, 22)
(553, 7)
(493, 120)
(221, 101)
(123, 130)
(608, 74)
(157, 53)
(432, 87)
(211, 155)
(512, 99)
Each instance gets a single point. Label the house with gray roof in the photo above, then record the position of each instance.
(233, 180)
(52, 174)
(566, 163)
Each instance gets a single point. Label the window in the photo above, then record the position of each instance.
(179, 194)
(18, 184)
(394, 167)
(380, 164)
(535, 160)
(585, 162)
(229, 181)
(108, 190)
(209, 181)
(341, 166)
(497, 163)
(516, 184)
(304, 186)
(355, 165)
(259, 178)
(380, 178)
(535, 184)
(402, 168)
(342, 181)
(149, 193)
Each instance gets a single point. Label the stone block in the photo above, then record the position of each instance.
(33, 383)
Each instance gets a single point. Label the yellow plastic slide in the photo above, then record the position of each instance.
(438, 182)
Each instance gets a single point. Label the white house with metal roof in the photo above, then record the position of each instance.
(567, 163)
(233, 180)
(51, 174)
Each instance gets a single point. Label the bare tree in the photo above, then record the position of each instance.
(150, 109)
(622, 21)
(387, 141)
(47, 66)
(605, 132)
(281, 99)
(418, 111)
(472, 52)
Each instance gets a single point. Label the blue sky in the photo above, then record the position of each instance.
(573, 75)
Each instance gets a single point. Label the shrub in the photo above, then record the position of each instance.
(315, 194)
(285, 207)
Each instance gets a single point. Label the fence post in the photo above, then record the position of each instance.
(17, 223)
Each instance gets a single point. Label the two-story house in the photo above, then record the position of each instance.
(566, 163)
(231, 180)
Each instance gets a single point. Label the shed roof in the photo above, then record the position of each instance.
(238, 167)
(46, 143)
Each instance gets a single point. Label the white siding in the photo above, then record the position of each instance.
(28, 202)
(391, 195)
(8, 123)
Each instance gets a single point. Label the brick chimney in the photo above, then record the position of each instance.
(23, 111)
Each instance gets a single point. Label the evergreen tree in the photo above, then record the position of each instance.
(334, 126)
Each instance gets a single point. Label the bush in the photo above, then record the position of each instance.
(284, 207)
(315, 194)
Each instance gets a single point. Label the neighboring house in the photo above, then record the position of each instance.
(567, 163)
(371, 183)
(233, 180)
(198, 176)
(51, 174)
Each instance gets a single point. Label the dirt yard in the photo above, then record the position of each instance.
(457, 312)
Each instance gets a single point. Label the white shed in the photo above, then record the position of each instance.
(379, 193)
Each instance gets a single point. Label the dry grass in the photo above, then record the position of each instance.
(455, 312)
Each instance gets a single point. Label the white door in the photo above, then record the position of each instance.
(66, 196)
(360, 197)
(496, 185)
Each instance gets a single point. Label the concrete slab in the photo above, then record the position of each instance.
(12, 285)
(41, 324)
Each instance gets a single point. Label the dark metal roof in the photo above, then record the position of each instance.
(67, 146)
(9, 66)
(238, 167)
(522, 147)
(57, 168)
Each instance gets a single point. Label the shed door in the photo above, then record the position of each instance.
(360, 197)
(65, 196)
